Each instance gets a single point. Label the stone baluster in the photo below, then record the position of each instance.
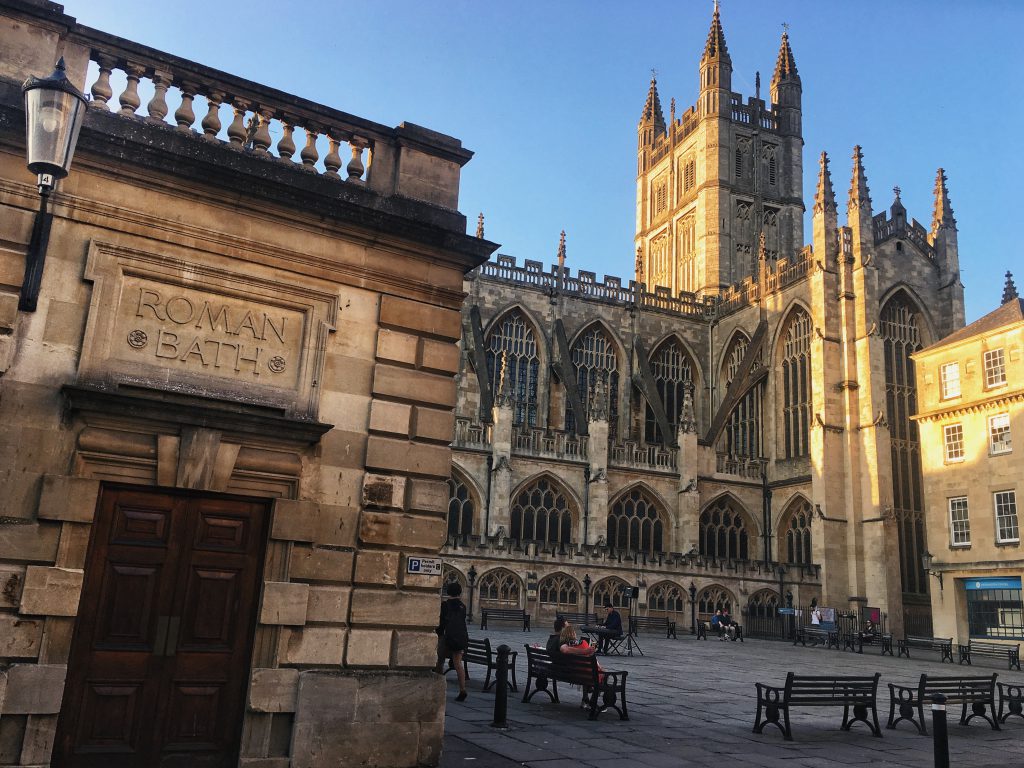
(101, 90)
(236, 131)
(261, 139)
(130, 101)
(332, 160)
(309, 154)
(286, 145)
(184, 115)
(157, 106)
(211, 123)
(355, 165)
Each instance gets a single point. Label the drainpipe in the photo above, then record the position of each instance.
(586, 502)
(487, 505)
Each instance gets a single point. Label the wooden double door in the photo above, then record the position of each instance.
(161, 651)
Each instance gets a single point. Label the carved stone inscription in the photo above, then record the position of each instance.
(213, 329)
(204, 332)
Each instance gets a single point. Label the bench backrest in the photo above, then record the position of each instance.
(956, 686)
(649, 621)
(581, 670)
(507, 613)
(920, 639)
(830, 688)
(994, 647)
(478, 651)
(581, 619)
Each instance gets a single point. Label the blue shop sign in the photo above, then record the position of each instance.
(1012, 583)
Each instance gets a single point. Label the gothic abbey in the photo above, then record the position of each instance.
(733, 426)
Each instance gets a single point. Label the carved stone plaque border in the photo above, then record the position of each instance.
(164, 322)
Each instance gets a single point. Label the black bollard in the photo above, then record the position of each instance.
(939, 732)
(501, 689)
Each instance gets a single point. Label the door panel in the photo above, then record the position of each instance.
(161, 651)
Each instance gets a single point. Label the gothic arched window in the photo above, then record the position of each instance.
(611, 591)
(743, 430)
(460, 508)
(723, 532)
(763, 605)
(670, 366)
(796, 383)
(450, 575)
(593, 357)
(689, 274)
(667, 597)
(560, 592)
(541, 512)
(513, 339)
(661, 261)
(796, 530)
(499, 588)
(900, 328)
(713, 599)
(635, 524)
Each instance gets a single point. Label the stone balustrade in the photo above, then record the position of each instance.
(550, 444)
(633, 455)
(469, 434)
(166, 90)
(596, 555)
(739, 466)
(586, 285)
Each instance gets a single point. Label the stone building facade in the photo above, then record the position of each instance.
(226, 424)
(731, 427)
(970, 410)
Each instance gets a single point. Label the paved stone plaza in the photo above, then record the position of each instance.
(692, 704)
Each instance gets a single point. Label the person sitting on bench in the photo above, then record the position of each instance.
(613, 623)
(554, 642)
(869, 633)
(728, 625)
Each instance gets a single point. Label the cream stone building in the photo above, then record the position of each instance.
(224, 421)
(971, 418)
(730, 428)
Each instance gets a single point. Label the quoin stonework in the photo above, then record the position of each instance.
(225, 426)
(730, 428)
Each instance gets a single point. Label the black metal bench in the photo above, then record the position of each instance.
(858, 692)
(855, 641)
(479, 652)
(827, 637)
(944, 645)
(1011, 697)
(544, 671)
(704, 627)
(998, 650)
(976, 691)
(504, 614)
(660, 623)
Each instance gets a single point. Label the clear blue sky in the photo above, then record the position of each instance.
(548, 95)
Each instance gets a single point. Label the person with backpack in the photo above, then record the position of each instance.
(452, 636)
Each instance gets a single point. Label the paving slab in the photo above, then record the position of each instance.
(692, 703)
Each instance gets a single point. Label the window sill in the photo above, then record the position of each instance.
(954, 461)
(959, 547)
(1001, 453)
(1009, 543)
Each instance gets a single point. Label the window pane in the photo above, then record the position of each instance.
(995, 368)
(1006, 516)
(950, 380)
(999, 433)
(954, 439)
(959, 523)
(995, 613)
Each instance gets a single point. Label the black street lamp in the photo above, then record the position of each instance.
(471, 576)
(693, 608)
(54, 110)
(586, 593)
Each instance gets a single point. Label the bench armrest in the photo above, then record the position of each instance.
(770, 693)
(896, 691)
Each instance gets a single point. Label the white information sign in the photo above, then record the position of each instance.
(425, 566)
